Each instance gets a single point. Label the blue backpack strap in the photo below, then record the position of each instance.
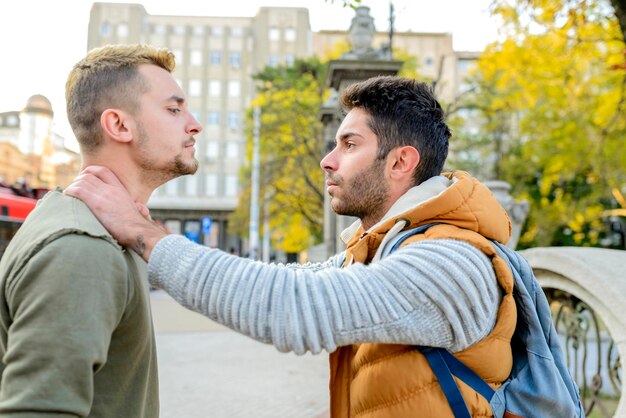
(444, 365)
(467, 375)
(403, 236)
(399, 239)
(446, 381)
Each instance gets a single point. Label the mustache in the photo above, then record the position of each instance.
(334, 179)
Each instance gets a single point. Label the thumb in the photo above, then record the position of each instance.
(143, 210)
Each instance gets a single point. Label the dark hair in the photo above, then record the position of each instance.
(403, 112)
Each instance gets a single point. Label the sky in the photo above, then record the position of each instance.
(40, 40)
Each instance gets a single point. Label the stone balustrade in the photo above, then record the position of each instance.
(587, 290)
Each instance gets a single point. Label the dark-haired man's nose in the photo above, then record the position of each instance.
(329, 162)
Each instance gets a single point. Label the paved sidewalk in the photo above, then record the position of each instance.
(207, 371)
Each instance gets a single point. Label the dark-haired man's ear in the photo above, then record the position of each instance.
(403, 162)
(115, 123)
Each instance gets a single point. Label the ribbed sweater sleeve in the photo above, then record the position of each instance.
(440, 293)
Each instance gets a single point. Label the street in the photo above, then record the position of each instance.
(206, 370)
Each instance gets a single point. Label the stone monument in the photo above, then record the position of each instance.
(361, 62)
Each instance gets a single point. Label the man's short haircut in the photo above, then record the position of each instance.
(107, 78)
(403, 112)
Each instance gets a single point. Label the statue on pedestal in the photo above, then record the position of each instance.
(361, 34)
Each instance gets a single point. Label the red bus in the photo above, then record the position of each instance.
(13, 210)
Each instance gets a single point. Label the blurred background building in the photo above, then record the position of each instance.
(215, 60)
(31, 154)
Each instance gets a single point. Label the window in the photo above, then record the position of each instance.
(212, 150)
(232, 150)
(464, 66)
(217, 31)
(215, 88)
(289, 60)
(12, 120)
(196, 57)
(274, 34)
(196, 115)
(234, 88)
(159, 29)
(171, 187)
(428, 62)
(272, 60)
(215, 57)
(191, 185)
(236, 31)
(290, 34)
(105, 29)
(198, 30)
(179, 30)
(210, 184)
(178, 55)
(174, 226)
(234, 59)
(230, 185)
(234, 120)
(213, 118)
(122, 30)
(195, 88)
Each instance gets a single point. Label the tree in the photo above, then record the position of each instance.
(347, 3)
(620, 13)
(290, 150)
(550, 100)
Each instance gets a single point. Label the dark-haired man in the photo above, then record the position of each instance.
(444, 288)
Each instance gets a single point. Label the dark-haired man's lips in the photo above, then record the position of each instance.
(331, 185)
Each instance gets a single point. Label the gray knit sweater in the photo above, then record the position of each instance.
(440, 293)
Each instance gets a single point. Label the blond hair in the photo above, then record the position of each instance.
(106, 78)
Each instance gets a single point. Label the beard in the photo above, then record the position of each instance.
(181, 167)
(364, 195)
(158, 173)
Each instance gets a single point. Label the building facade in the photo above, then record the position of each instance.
(30, 152)
(216, 58)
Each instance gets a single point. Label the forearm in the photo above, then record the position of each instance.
(397, 300)
(142, 235)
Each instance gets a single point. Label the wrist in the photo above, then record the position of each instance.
(143, 237)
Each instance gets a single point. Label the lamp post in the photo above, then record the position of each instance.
(254, 198)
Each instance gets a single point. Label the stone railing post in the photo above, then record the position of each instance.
(518, 211)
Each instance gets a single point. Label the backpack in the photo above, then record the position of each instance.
(540, 384)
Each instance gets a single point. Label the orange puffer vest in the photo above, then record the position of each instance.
(388, 380)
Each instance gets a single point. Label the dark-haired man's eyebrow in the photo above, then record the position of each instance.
(347, 135)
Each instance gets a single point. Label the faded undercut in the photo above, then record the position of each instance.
(107, 78)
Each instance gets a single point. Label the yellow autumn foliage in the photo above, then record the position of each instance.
(550, 100)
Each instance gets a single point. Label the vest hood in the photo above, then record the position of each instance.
(465, 203)
(468, 204)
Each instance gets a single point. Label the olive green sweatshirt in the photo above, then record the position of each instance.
(76, 335)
